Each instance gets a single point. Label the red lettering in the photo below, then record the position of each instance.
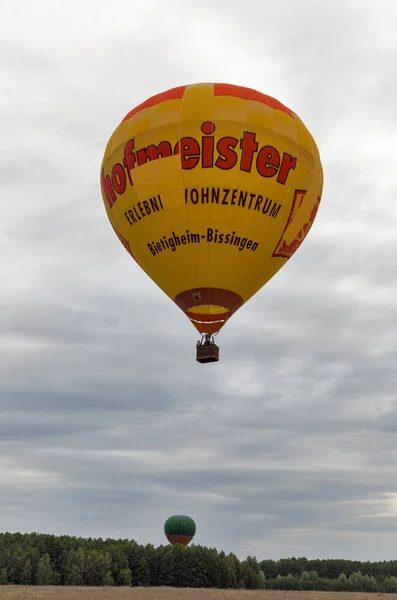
(119, 179)
(287, 164)
(152, 152)
(249, 146)
(268, 161)
(227, 156)
(108, 189)
(129, 158)
(208, 127)
(207, 156)
(189, 149)
(192, 150)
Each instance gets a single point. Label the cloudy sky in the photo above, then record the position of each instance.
(287, 446)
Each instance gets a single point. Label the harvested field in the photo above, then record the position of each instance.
(12, 592)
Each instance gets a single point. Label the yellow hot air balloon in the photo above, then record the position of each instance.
(211, 188)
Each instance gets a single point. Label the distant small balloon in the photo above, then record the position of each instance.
(179, 529)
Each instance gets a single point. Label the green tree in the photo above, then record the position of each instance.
(149, 552)
(97, 565)
(289, 582)
(167, 569)
(368, 583)
(125, 577)
(262, 580)
(134, 554)
(143, 574)
(355, 582)
(45, 572)
(315, 580)
(250, 573)
(108, 579)
(3, 576)
(75, 567)
(270, 568)
(343, 584)
(390, 585)
(119, 561)
(223, 572)
(305, 581)
(179, 553)
(75, 576)
(210, 572)
(26, 575)
(234, 568)
(192, 568)
(15, 563)
(251, 580)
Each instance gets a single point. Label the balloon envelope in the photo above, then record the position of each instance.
(179, 529)
(211, 188)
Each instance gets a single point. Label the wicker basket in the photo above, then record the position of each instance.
(207, 353)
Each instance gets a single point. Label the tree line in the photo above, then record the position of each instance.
(41, 559)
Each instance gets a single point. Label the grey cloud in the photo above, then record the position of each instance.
(108, 424)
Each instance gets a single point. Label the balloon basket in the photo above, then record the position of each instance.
(207, 353)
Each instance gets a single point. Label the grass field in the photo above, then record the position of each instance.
(162, 593)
